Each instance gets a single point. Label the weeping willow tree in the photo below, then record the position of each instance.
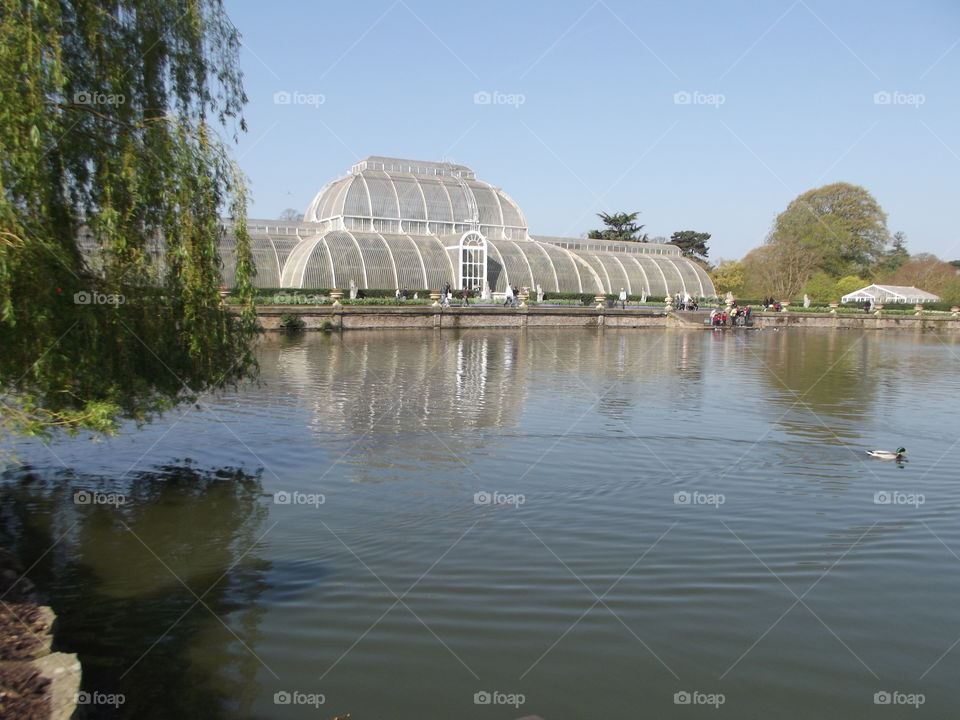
(115, 177)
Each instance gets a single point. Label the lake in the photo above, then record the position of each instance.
(492, 524)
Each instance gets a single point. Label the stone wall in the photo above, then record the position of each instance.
(357, 317)
(35, 682)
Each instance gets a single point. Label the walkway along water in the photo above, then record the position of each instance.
(424, 316)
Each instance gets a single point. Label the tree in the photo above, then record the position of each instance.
(822, 287)
(897, 255)
(780, 269)
(692, 244)
(620, 226)
(842, 221)
(111, 158)
(291, 214)
(928, 272)
(728, 276)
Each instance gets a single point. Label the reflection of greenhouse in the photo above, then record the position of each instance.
(401, 223)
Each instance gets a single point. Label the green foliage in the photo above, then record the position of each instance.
(843, 222)
(824, 288)
(108, 130)
(728, 276)
(894, 257)
(691, 243)
(289, 321)
(619, 226)
(847, 285)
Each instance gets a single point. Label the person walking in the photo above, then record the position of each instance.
(466, 296)
(508, 297)
(623, 299)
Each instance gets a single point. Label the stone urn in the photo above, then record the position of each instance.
(600, 300)
(668, 302)
(918, 308)
(784, 304)
(955, 310)
(435, 296)
(523, 296)
(878, 308)
(833, 308)
(336, 295)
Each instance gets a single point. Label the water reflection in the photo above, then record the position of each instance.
(398, 381)
(125, 581)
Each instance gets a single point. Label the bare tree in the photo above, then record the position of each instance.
(781, 269)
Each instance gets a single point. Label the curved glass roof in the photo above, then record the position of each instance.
(398, 223)
(418, 198)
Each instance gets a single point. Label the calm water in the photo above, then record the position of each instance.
(594, 521)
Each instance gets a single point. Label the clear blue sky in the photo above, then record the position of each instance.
(782, 100)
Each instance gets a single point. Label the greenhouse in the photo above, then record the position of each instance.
(393, 223)
(890, 294)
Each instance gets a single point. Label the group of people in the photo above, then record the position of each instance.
(735, 315)
(771, 304)
(511, 297)
(685, 302)
(446, 295)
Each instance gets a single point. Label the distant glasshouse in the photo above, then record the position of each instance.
(394, 223)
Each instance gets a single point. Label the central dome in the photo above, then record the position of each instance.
(414, 197)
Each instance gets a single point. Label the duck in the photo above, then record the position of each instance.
(887, 455)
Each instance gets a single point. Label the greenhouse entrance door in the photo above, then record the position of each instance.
(473, 261)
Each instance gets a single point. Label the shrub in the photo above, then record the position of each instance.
(289, 321)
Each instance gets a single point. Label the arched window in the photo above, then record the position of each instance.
(473, 260)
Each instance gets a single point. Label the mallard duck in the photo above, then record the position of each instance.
(887, 455)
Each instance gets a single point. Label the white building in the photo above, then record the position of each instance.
(890, 294)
